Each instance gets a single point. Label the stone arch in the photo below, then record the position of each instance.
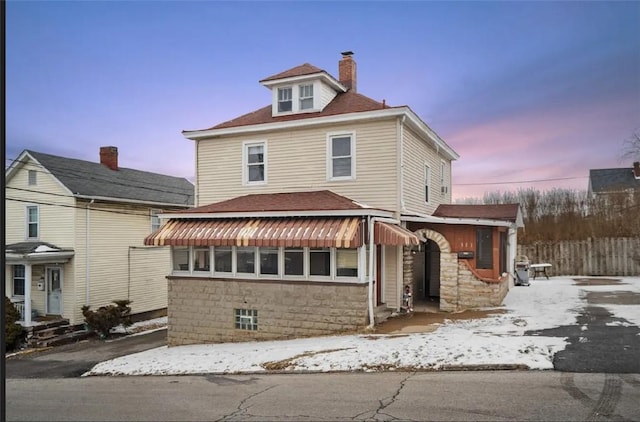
(442, 242)
(448, 269)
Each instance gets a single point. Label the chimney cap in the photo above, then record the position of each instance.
(347, 53)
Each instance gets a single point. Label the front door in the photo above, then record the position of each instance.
(54, 290)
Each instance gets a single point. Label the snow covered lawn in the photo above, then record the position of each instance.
(495, 340)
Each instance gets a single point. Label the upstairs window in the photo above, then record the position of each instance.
(341, 156)
(255, 163)
(285, 99)
(32, 222)
(155, 220)
(443, 187)
(306, 97)
(427, 182)
(33, 177)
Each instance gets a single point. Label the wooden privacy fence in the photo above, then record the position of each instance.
(604, 256)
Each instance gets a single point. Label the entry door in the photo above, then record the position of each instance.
(54, 290)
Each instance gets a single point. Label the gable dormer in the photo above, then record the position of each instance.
(307, 88)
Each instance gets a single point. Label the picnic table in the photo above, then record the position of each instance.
(540, 269)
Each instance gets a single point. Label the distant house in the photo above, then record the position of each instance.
(314, 212)
(74, 230)
(614, 180)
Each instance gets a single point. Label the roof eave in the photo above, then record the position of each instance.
(328, 79)
(364, 212)
(131, 201)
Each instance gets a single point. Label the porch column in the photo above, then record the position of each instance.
(27, 295)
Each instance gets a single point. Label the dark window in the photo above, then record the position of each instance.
(269, 261)
(484, 248)
(504, 244)
(246, 260)
(222, 259)
(320, 261)
(18, 280)
(293, 261)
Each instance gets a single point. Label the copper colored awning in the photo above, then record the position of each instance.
(391, 234)
(275, 232)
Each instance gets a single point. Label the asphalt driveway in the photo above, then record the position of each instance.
(72, 360)
(599, 341)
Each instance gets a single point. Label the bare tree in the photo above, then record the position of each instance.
(631, 147)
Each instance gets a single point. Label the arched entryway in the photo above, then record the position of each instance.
(431, 265)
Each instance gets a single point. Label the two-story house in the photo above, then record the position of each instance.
(315, 211)
(603, 182)
(74, 230)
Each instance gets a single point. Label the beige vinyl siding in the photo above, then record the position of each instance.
(55, 208)
(390, 276)
(297, 161)
(113, 228)
(326, 95)
(149, 267)
(417, 154)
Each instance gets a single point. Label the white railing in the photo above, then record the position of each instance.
(20, 307)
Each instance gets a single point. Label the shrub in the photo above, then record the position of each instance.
(107, 317)
(13, 331)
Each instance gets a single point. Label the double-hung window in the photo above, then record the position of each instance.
(306, 97)
(255, 163)
(155, 220)
(32, 222)
(341, 156)
(18, 280)
(285, 99)
(427, 182)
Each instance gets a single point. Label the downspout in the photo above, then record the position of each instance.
(86, 257)
(400, 136)
(196, 187)
(129, 272)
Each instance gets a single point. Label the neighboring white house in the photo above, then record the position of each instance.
(74, 233)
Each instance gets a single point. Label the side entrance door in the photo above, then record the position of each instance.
(54, 290)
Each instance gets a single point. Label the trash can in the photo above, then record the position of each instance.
(522, 270)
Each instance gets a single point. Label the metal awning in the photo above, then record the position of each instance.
(391, 234)
(274, 232)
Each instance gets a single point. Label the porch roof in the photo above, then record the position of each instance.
(34, 251)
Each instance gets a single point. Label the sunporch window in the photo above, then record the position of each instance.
(484, 248)
(180, 256)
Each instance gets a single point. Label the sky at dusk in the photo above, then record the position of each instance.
(522, 91)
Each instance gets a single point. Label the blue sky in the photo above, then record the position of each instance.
(521, 90)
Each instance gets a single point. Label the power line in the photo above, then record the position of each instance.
(520, 181)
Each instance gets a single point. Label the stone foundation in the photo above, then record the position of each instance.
(201, 310)
(474, 293)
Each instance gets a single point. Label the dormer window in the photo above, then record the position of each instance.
(306, 97)
(285, 99)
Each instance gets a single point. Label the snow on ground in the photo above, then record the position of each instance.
(495, 340)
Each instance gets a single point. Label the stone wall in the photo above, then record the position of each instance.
(474, 293)
(201, 310)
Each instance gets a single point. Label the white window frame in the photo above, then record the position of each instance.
(28, 222)
(330, 157)
(156, 222)
(427, 183)
(301, 97)
(278, 100)
(444, 188)
(32, 177)
(245, 162)
(332, 277)
(14, 278)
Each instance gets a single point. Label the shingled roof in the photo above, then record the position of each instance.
(85, 178)
(612, 180)
(503, 212)
(346, 102)
(303, 69)
(323, 200)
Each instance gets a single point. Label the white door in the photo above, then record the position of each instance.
(54, 290)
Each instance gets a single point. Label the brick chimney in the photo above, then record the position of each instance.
(636, 169)
(347, 71)
(109, 157)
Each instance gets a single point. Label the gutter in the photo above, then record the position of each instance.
(131, 201)
(335, 213)
(86, 253)
(423, 218)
